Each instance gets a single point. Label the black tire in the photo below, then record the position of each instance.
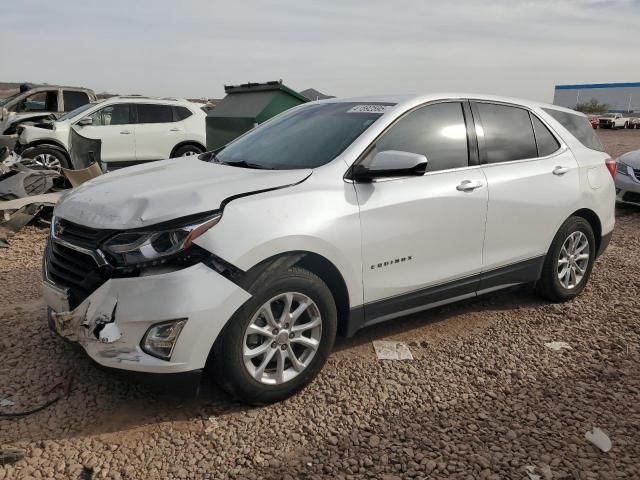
(549, 284)
(45, 150)
(228, 366)
(187, 150)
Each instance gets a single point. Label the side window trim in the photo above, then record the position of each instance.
(462, 101)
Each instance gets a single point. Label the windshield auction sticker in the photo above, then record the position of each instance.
(370, 109)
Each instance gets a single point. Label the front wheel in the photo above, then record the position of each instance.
(568, 263)
(278, 341)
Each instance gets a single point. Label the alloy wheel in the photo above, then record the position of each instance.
(48, 161)
(573, 260)
(282, 338)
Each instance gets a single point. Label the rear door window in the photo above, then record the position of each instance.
(579, 126)
(436, 131)
(154, 113)
(506, 133)
(73, 99)
(547, 143)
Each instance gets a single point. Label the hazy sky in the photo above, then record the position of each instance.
(191, 48)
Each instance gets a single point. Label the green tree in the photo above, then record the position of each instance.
(592, 106)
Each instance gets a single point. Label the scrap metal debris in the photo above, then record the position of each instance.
(599, 439)
(65, 386)
(530, 469)
(10, 455)
(558, 346)
(15, 214)
(390, 350)
(5, 402)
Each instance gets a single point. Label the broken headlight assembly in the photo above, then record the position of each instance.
(155, 247)
(161, 338)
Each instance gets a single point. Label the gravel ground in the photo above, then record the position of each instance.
(482, 399)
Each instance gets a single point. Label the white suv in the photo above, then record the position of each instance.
(132, 130)
(332, 216)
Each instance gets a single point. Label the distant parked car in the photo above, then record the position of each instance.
(628, 178)
(614, 120)
(40, 102)
(132, 130)
(594, 120)
(634, 122)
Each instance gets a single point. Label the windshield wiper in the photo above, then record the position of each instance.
(245, 164)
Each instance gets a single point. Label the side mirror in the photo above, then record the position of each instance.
(83, 122)
(392, 163)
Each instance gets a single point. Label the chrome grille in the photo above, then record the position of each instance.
(79, 234)
(74, 270)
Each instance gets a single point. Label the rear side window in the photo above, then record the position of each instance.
(154, 113)
(506, 134)
(547, 143)
(180, 113)
(73, 100)
(579, 126)
(436, 131)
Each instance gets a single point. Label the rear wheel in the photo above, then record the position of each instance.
(279, 340)
(569, 261)
(187, 151)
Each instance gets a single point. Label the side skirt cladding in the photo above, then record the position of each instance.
(435, 296)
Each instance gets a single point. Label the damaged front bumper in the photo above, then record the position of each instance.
(111, 322)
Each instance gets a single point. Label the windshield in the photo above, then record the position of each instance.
(307, 137)
(4, 101)
(608, 115)
(75, 112)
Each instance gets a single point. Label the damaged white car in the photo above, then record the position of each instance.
(332, 216)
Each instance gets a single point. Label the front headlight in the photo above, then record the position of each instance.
(161, 338)
(622, 168)
(151, 247)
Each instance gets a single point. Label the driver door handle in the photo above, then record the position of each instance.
(125, 132)
(560, 170)
(174, 130)
(469, 185)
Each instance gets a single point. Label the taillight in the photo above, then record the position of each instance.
(611, 166)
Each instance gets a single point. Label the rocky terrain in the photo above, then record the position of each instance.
(483, 398)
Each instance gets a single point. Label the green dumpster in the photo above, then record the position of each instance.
(246, 106)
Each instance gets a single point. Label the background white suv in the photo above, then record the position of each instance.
(330, 217)
(132, 130)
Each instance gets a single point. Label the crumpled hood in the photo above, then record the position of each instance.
(155, 192)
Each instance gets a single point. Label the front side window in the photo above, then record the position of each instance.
(436, 131)
(506, 133)
(117, 114)
(73, 99)
(306, 137)
(154, 113)
(579, 126)
(39, 102)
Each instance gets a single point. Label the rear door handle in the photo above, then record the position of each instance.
(174, 130)
(469, 185)
(560, 170)
(125, 132)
